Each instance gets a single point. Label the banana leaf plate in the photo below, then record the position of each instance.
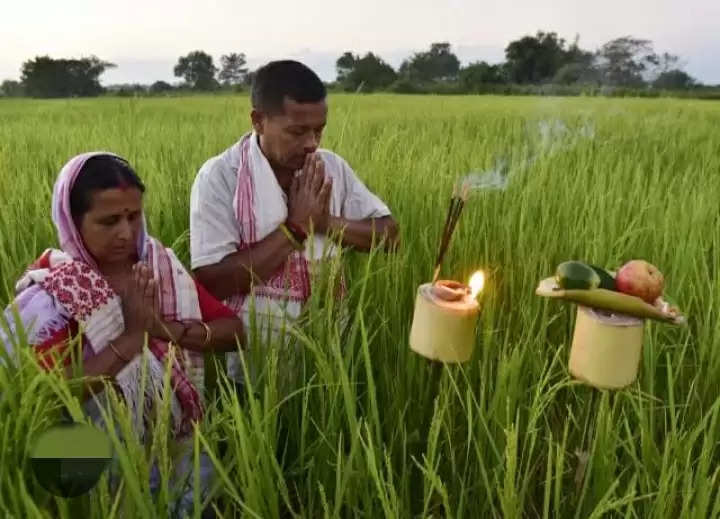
(611, 301)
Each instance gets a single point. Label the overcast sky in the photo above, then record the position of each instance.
(144, 38)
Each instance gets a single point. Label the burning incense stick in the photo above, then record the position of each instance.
(457, 202)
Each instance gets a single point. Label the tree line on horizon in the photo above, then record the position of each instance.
(540, 63)
(542, 59)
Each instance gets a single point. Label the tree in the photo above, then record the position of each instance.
(481, 73)
(233, 68)
(370, 71)
(534, 59)
(198, 70)
(160, 87)
(667, 62)
(47, 77)
(439, 63)
(249, 78)
(10, 88)
(674, 80)
(576, 73)
(625, 60)
(344, 65)
(128, 90)
(575, 54)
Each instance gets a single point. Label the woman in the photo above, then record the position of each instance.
(113, 282)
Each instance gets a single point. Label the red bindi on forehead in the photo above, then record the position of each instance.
(117, 200)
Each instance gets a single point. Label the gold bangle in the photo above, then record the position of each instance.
(208, 333)
(115, 350)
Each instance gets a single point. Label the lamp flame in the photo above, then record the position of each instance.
(477, 282)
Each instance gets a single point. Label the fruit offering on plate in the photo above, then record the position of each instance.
(644, 280)
(576, 275)
(636, 278)
(641, 279)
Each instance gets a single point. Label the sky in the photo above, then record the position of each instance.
(145, 38)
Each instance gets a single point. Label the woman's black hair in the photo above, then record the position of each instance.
(97, 174)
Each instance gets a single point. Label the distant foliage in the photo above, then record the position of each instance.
(198, 70)
(539, 64)
(10, 88)
(437, 64)
(233, 69)
(368, 73)
(160, 87)
(47, 77)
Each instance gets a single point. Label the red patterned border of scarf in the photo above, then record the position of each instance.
(81, 291)
(292, 280)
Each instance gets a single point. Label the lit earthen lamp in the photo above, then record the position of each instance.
(446, 313)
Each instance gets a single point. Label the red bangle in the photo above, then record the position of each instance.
(296, 231)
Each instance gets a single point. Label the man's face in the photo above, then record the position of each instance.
(287, 137)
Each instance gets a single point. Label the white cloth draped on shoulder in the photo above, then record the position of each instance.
(236, 201)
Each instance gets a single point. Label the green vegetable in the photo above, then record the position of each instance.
(576, 275)
(607, 281)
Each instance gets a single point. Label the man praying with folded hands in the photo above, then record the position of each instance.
(273, 202)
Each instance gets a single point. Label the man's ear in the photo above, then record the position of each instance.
(258, 121)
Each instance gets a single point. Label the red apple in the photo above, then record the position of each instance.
(641, 279)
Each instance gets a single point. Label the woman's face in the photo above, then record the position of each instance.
(111, 226)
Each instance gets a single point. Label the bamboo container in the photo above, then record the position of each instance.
(605, 351)
(443, 330)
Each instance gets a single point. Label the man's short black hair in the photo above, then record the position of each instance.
(286, 78)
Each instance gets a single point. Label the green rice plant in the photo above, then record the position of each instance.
(348, 421)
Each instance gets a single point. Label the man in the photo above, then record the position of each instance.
(267, 206)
